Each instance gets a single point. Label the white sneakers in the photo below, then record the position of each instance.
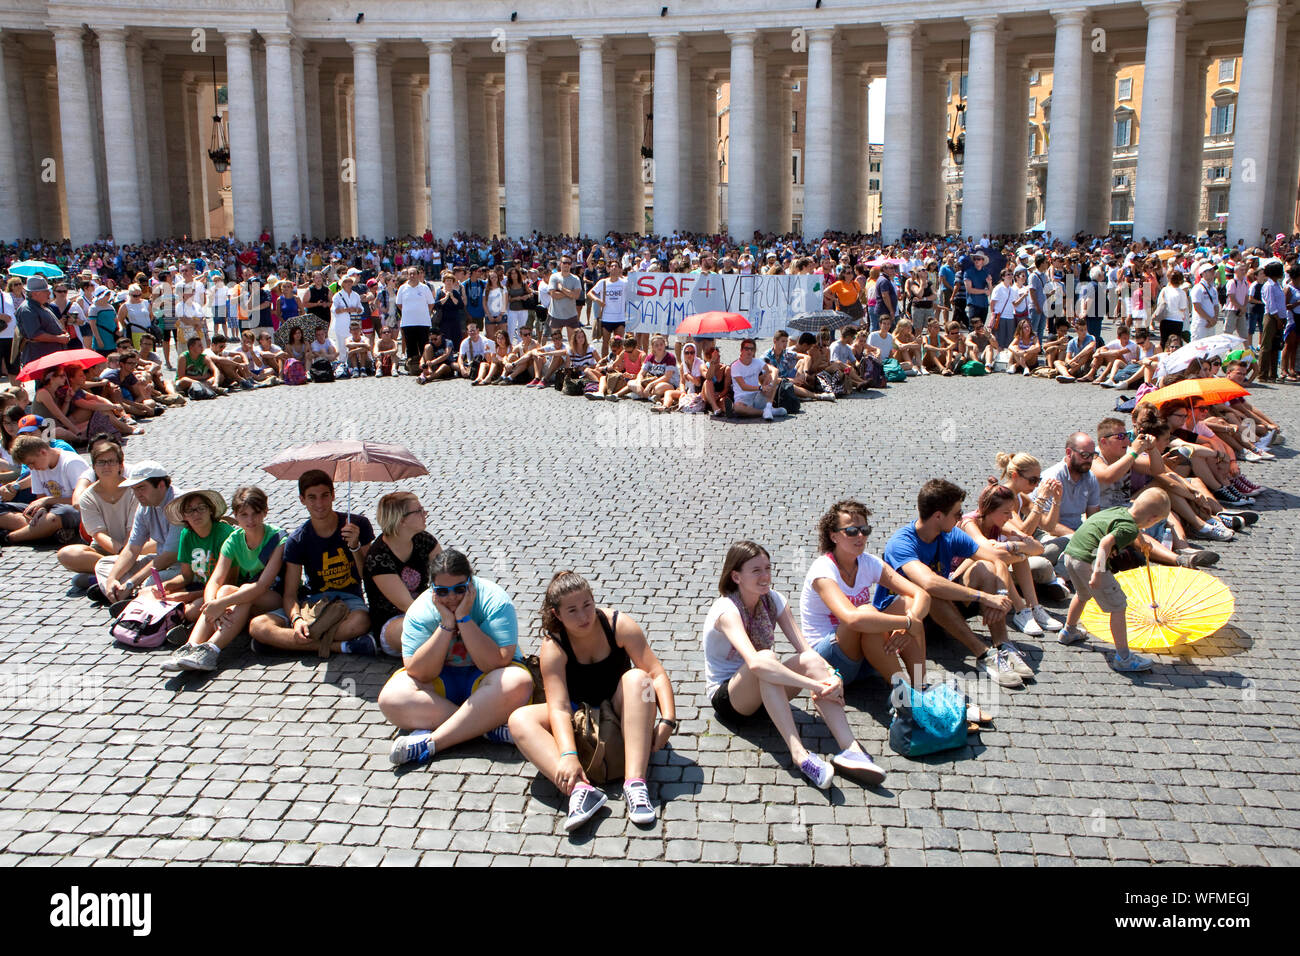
(1024, 622)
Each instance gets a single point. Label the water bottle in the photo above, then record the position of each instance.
(1167, 539)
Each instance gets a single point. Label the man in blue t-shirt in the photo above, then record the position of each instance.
(928, 552)
(475, 289)
(978, 280)
(327, 553)
(462, 674)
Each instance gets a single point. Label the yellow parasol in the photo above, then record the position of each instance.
(1166, 607)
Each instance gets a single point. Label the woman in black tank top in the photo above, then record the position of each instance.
(318, 299)
(590, 655)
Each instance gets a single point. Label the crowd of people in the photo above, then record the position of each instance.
(1125, 492)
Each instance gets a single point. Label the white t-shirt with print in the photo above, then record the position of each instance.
(61, 480)
(615, 293)
(815, 617)
(721, 659)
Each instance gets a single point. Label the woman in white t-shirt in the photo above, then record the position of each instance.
(1173, 308)
(743, 672)
(839, 619)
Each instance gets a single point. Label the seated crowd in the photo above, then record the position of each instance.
(1142, 490)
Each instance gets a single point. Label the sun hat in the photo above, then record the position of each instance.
(37, 283)
(175, 507)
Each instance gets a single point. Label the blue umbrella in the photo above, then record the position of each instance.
(34, 267)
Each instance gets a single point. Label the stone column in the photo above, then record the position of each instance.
(549, 220)
(687, 164)
(818, 197)
(1283, 121)
(701, 151)
(388, 141)
(286, 198)
(1066, 140)
(1288, 172)
(26, 203)
(564, 120)
(627, 164)
(845, 212)
(1001, 115)
(172, 118)
(609, 86)
(459, 107)
(263, 128)
(492, 162)
(1088, 149)
(96, 121)
(897, 211)
(245, 158)
(1101, 158)
(475, 114)
(328, 182)
(775, 149)
(444, 142)
(537, 179)
(315, 147)
(345, 94)
(296, 59)
(979, 170)
(762, 131)
(710, 104)
(1190, 174)
(784, 186)
(195, 158)
(741, 159)
(366, 124)
(933, 115)
(1156, 138)
(667, 144)
(11, 224)
(156, 128)
(140, 133)
(862, 212)
(1017, 147)
(120, 142)
(519, 210)
(403, 223)
(591, 151)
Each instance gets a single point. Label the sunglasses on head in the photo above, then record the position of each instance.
(457, 589)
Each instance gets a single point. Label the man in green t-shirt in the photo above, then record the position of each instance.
(1098, 538)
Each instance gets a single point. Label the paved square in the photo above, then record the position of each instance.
(104, 759)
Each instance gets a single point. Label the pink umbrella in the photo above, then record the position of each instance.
(348, 459)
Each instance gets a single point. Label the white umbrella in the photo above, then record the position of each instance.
(1212, 346)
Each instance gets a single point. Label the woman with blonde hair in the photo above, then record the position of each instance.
(396, 569)
(907, 348)
(592, 655)
(1039, 520)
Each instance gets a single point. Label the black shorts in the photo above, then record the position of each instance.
(722, 706)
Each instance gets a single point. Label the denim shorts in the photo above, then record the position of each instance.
(829, 649)
(354, 602)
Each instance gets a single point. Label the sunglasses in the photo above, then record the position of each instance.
(854, 530)
(457, 589)
(1084, 456)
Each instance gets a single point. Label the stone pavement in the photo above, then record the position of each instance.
(105, 760)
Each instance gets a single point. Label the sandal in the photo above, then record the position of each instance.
(974, 715)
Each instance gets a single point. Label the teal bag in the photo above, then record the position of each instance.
(893, 371)
(928, 721)
(973, 367)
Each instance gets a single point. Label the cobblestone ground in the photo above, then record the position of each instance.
(105, 760)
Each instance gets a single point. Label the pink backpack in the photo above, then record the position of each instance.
(294, 373)
(146, 621)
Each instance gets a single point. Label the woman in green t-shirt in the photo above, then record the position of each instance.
(198, 513)
(245, 580)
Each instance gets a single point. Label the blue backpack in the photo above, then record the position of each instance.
(928, 721)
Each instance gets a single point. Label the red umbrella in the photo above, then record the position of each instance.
(347, 459)
(82, 358)
(709, 324)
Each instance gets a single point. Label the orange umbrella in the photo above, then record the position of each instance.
(1206, 391)
(83, 358)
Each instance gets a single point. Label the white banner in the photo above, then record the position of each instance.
(659, 301)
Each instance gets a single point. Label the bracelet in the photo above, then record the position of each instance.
(665, 720)
(569, 753)
(355, 550)
(1132, 454)
(463, 620)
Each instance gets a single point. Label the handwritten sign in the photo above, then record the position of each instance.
(661, 300)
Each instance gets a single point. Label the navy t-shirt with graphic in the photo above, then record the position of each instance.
(327, 563)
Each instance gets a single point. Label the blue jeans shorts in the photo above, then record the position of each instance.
(353, 601)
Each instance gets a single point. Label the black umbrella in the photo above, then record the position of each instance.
(303, 320)
(814, 321)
